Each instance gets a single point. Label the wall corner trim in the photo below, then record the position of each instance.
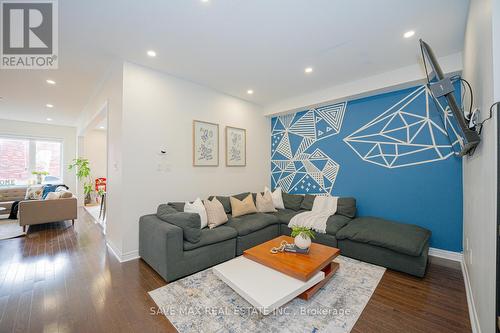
(474, 321)
(122, 257)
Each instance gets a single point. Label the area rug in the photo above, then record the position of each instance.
(203, 303)
(10, 229)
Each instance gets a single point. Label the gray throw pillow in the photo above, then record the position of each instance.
(178, 206)
(189, 222)
(308, 202)
(163, 210)
(292, 201)
(346, 206)
(241, 196)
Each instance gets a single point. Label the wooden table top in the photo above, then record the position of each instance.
(299, 266)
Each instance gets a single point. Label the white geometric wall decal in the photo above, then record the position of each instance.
(404, 135)
(292, 168)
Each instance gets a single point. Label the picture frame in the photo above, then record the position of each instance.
(205, 144)
(236, 147)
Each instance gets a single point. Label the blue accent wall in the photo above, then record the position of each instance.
(390, 151)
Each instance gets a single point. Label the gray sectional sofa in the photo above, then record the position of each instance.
(173, 244)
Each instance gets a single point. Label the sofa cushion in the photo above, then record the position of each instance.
(189, 222)
(403, 238)
(211, 236)
(163, 210)
(335, 223)
(292, 201)
(308, 202)
(247, 224)
(285, 215)
(346, 206)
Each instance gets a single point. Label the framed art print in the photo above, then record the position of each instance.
(205, 144)
(236, 146)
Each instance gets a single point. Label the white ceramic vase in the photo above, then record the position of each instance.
(302, 241)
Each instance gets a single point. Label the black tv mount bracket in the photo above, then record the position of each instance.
(442, 87)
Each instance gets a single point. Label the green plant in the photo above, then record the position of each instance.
(82, 167)
(100, 192)
(303, 231)
(41, 173)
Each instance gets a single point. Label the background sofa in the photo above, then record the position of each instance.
(33, 212)
(9, 195)
(172, 243)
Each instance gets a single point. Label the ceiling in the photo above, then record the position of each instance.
(231, 46)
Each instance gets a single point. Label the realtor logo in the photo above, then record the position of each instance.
(29, 34)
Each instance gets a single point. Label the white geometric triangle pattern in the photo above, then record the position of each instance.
(404, 135)
(293, 169)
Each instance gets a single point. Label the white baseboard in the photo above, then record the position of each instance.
(444, 254)
(122, 257)
(474, 322)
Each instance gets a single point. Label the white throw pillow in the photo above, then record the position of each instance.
(197, 207)
(53, 196)
(277, 198)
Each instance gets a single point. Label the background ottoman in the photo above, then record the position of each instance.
(402, 247)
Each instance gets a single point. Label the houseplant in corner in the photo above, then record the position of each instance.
(39, 176)
(81, 165)
(302, 237)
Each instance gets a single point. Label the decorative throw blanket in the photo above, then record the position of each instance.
(323, 208)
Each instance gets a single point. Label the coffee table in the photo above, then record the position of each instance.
(268, 281)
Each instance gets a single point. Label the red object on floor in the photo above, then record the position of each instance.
(100, 183)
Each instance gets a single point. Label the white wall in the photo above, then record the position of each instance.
(95, 151)
(107, 100)
(158, 111)
(65, 133)
(479, 171)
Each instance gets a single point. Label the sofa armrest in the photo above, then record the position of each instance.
(45, 211)
(160, 245)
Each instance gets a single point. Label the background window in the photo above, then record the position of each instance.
(20, 156)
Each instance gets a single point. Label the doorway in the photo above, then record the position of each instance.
(93, 145)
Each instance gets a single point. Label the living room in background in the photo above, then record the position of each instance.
(389, 151)
(21, 158)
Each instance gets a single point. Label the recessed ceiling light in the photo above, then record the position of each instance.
(308, 70)
(49, 119)
(50, 106)
(51, 82)
(250, 91)
(205, 0)
(409, 34)
(101, 127)
(151, 53)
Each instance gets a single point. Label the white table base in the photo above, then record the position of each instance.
(263, 287)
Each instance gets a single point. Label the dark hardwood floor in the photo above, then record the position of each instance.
(64, 279)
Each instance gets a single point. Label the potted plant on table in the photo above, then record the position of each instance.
(302, 237)
(82, 167)
(40, 175)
